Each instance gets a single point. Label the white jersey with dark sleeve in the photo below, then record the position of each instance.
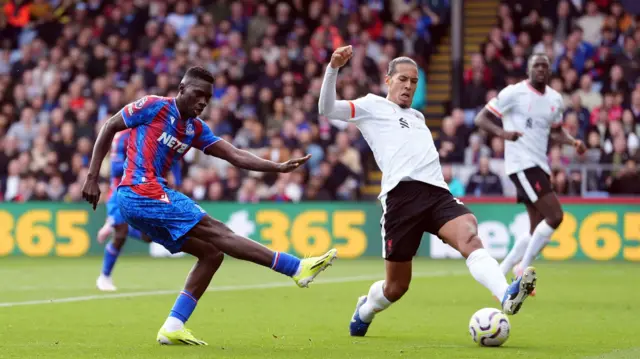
(399, 138)
(522, 108)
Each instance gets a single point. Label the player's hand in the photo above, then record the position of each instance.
(340, 57)
(511, 135)
(580, 147)
(91, 191)
(293, 164)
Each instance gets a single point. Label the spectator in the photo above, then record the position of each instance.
(572, 126)
(277, 152)
(451, 149)
(24, 130)
(455, 185)
(181, 20)
(634, 107)
(476, 150)
(581, 113)
(557, 159)
(590, 99)
(497, 148)
(475, 92)
(628, 123)
(215, 192)
(56, 188)
(613, 111)
(478, 70)
(548, 45)
(495, 65)
(616, 129)
(484, 182)
(257, 25)
(340, 181)
(629, 59)
(533, 26)
(562, 22)
(592, 23)
(348, 155)
(248, 193)
(616, 159)
(627, 180)
(559, 182)
(280, 194)
(316, 191)
(615, 83)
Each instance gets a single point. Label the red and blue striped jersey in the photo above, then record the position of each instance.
(159, 138)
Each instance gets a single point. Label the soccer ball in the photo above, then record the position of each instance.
(489, 327)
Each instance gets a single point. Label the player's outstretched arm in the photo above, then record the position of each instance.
(486, 121)
(91, 189)
(248, 161)
(561, 136)
(327, 103)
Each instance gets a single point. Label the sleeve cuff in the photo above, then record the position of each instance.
(493, 110)
(331, 70)
(214, 141)
(123, 113)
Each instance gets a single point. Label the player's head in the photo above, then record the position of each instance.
(195, 91)
(402, 79)
(539, 69)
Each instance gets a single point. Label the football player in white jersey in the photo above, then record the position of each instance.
(415, 198)
(530, 112)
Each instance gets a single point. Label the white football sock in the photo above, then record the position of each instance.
(540, 237)
(515, 255)
(376, 302)
(486, 271)
(172, 324)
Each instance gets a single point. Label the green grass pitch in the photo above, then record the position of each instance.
(583, 310)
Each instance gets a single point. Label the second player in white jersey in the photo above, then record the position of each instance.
(531, 114)
(525, 110)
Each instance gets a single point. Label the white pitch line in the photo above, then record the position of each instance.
(630, 353)
(228, 288)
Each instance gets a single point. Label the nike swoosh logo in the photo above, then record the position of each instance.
(319, 262)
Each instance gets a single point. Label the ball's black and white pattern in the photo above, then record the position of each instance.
(489, 327)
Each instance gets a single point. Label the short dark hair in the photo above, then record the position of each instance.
(399, 60)
(199, 72)
(533, 57)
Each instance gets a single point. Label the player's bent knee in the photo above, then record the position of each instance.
(395, 290)
(469, 240)
(555, 219)
(120, 236)
(215, 257)
(211, 254)
(470, 245)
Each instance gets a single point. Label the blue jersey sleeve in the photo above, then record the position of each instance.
(204, 136)
(142, 111)
(176, 170)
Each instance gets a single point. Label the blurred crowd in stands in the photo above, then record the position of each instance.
(67, 66)
(594, 47)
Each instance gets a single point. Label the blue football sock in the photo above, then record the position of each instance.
(110, 257)
(285, 263)
(134, 233)
(184, 306)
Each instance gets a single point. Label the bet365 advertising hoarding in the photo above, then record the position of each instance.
(597, 230)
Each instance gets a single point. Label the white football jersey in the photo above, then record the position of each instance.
(400, 140)
(522, 108)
